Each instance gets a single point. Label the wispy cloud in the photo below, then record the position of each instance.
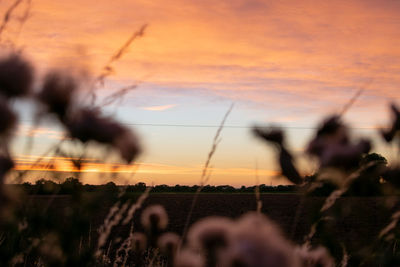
(159, 108)
(246, 50)
(45, 132)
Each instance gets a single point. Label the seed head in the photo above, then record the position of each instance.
(154, 218)
(188, 258)
(345, 156)
(139, 242)
(331, 132)
(256, 241)
(168, 243)
(210, 233)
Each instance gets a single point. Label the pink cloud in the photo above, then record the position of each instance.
(159, 108)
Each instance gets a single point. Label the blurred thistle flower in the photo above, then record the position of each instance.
(333, 148)
(345, 156)
(139, 242)
(128, 145)
(168, 244)
(256, 241)
(154, 218)
(210, 233)
(16, 76)
(87, 124)
(331, 132)
(330, 126)
(271, 134)
(8, 118)
(318, 257)
(57, 92)
(389, 134)
(188, 258)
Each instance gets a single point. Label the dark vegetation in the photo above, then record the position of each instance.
(72, 185)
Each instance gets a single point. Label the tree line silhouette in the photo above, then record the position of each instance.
(368, 185)
(72, 185)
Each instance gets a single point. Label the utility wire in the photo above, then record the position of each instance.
(234, 126)
(229, 126)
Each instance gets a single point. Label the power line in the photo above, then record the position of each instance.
(233, 126)
(229, 126)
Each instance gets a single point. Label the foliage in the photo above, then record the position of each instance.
(72, 185)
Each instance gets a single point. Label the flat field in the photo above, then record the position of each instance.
(361, 217)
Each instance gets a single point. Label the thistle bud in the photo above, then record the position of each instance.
(154, 218)
(16, 76)
(139, 242)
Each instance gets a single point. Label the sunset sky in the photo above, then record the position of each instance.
(288, 63)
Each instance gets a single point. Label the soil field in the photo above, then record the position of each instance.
(362, 217)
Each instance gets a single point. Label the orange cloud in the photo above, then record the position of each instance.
(263, 52)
